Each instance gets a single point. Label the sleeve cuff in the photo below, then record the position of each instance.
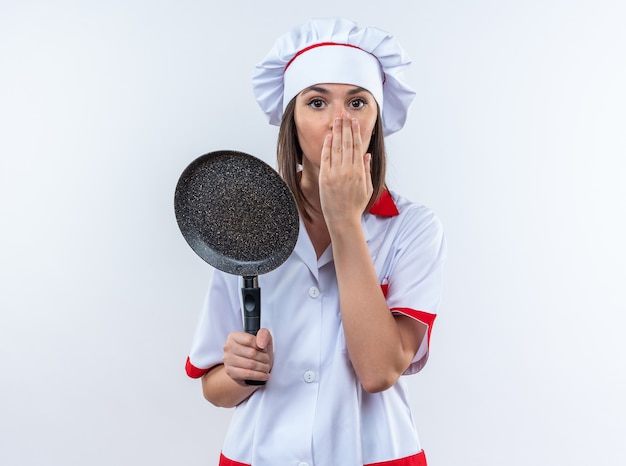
(193, 371)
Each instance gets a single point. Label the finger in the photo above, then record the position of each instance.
(357, 141)
(367, 161)
(242, 338)
(326, 159)
(235, 362)
(240, 374)
(337, 149)
(243, 344)
(347, 141)
(263, 339)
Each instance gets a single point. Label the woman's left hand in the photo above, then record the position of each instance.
(345, 180)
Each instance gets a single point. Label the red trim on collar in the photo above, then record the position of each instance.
(384, 206)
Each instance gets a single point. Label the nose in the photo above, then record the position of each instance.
(339, 115)
(331, 120)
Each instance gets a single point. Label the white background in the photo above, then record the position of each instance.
(516, 139)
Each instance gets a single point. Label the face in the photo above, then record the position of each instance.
(318, 106)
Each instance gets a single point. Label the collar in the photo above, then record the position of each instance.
(384, 206)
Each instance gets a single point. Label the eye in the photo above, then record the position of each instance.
(316, 103)
(357, 103)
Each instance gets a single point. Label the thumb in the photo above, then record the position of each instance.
(263, 339)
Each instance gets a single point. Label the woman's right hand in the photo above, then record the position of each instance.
(248, 357)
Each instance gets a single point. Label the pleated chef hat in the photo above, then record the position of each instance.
(335, 50)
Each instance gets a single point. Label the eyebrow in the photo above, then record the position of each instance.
(323, 90)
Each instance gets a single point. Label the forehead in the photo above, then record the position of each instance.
(334, 88)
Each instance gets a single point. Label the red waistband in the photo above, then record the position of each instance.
(414, 460)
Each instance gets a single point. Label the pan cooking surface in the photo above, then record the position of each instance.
(236, 213)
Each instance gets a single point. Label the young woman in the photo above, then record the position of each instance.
(351, 310)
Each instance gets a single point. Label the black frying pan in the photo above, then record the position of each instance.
(237, 214)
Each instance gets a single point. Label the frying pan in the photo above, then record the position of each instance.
(238, 215)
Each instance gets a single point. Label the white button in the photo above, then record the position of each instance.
(314, 292)
(303, 463)
(309, 376)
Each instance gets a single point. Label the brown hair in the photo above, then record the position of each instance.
(289, 158)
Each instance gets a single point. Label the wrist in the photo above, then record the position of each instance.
(345, 230)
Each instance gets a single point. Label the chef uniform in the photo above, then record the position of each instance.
(313, 410)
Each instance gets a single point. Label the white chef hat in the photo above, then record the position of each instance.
(335, 50)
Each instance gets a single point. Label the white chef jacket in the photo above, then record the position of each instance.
(313, 410)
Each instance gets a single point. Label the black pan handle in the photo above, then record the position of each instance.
(251, 294)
